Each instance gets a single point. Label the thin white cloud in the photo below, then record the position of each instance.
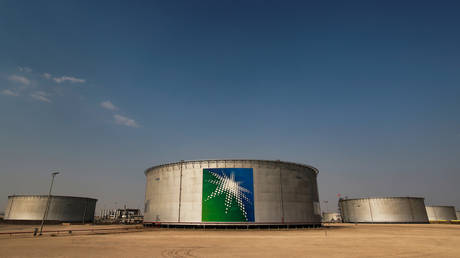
(47, 76)
(25, 69)
(122, 120)
(69, 79)
(108, 105)
(9, 93)
(41, 96)
(19, 79)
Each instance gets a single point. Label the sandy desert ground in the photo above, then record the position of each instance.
(339, 240)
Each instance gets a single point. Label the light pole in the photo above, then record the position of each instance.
(48, 202)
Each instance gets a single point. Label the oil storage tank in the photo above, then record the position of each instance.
(232, 192)
(384, 210)
(439, 213)
(31, 208)
(458, 215)
(331, 217)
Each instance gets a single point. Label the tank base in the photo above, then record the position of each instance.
(38, 222)
(229, 225)
(387, 222)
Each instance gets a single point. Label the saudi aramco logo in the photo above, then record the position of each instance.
(228, 195)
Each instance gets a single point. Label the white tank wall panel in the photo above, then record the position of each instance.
(384, 210)
(192, 182)
(297, 196)
(441, 213)
(417, 207)
(165, 195)
(61, 208)
(283, 192)
(267, 194)
(357, 210)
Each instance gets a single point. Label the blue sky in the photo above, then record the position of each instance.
(368, 92)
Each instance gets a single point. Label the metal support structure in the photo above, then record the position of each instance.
(281, 197)
(11, 207)
(180, 189)
(47, 202)
(84, 213)
(325, 203)
(370, 210)
(343, 214)
(411, 210)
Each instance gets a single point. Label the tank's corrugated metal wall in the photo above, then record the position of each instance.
(62, 208)
(436, 213)
(384, 210)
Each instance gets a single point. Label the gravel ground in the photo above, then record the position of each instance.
(340, 240)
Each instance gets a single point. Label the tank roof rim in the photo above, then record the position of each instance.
(440, 206)
(263, 160)
(388, 197)
(45, 196)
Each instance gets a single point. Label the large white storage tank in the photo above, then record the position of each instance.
(232, 192)
(384, 210)
(440, 213)
(31, 208)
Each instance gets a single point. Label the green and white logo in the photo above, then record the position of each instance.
(228, 195)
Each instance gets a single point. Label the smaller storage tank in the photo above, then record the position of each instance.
(31, 208)
(439, 213)
(383, 210)
(331, 217)
(458, 215)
